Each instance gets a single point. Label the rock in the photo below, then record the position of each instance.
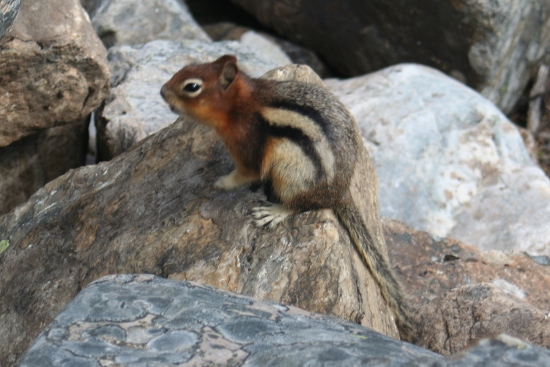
(302, 73)
(263, 46)
(54, 69)
(448, 161)
(54, 73)
(8, 12)
(31, 162)
(153, 210)
(493, 46)
(225, 31)
(130, 22)
(137, 320)
(475, 311)
(91, 6)
(462, 294)
(135, 108)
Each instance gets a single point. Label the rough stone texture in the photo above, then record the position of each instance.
(131, 22)
(134, 320)
(462, 293)
(153, 210)
(54, 69)
(448, 161)
(8, 12)
(264, 46)
(144, 320)
(475, 311)
(492, 45)
(135, 108)
(31, 162)
(302, 73)
(226, 31)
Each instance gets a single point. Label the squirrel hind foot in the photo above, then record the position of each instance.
(269, 214)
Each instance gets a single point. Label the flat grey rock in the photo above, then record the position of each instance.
(143, 320)
(131, 22)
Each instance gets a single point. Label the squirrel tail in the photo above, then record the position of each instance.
(378, 265)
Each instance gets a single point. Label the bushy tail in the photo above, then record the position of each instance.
(351, 219)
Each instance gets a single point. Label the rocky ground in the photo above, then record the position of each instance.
(462, 191)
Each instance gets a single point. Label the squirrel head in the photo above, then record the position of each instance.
(204, 91)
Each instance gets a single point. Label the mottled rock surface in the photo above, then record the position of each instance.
(135, 108)
(29, 163)
(492, 45)
(447, 160)
(132, 22)
(462, 293)
(225, 31)
(153, 210)
(476, 311)
(142, 320)
(54, 69)
(8, 12)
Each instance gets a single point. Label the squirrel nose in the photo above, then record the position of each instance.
(162, 92)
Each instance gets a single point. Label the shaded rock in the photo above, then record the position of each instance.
(90, 6)
(142, 320)
(135, 108)
(131, 22)
(8, 12)
(448, 161)
(137, 320)
(31, 162)
(493, 46)
(225, 31)
(153, 210)
(54, 69)
(462, 294)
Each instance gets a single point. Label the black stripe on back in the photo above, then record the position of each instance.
(299, 138)
(304, 110)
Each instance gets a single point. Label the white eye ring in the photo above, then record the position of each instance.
(192, 87)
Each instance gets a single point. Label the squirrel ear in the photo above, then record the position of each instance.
(229, 70)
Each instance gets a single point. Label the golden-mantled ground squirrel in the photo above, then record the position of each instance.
(297, 137)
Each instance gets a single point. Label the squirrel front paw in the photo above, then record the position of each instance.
(227, 182)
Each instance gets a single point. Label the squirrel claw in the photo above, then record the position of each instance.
(270, 214)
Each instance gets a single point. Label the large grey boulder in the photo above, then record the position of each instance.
(54, 69)
(131, 22)
(493, 46)
(142, 320)
(8, 12)
(447, 160)
(135, 108)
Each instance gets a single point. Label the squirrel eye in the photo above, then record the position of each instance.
(191, 87)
